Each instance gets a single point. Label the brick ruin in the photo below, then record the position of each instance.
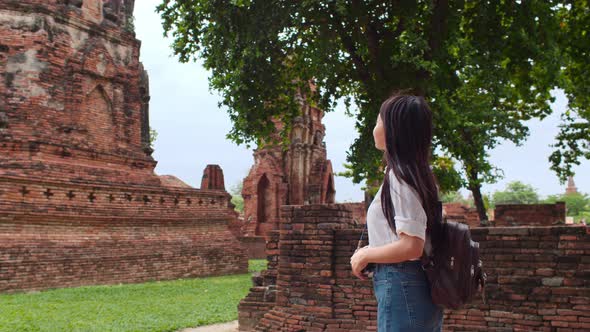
(571, 186)
(80, 203)
(529, 214)
(459, 212)
(538, 278)
(509, 214)
(300, 175)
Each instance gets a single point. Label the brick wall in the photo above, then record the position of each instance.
(80, 203)
(74, 93)
(460, 213)
(255, 246)
(56, 234)
(262, 296)
(538, 279)
(529, 214)
(39, 252)
(359, 211)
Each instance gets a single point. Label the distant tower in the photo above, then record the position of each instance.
(571, 186)
(300, 175)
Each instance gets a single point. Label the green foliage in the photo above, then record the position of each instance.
(152, 306)
(237, 199)
(443, 167)
(576, 203)
(153, 137)
(488, 202)
(452, 197)
(573, 139)
(485, 67)
(456, 197)
(516, 192)
(449, 180)
(130, 24)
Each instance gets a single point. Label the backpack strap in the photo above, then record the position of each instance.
(427, 259)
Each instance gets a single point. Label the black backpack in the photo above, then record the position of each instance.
(454, 269)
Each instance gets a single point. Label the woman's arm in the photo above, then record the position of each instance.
(406, 248)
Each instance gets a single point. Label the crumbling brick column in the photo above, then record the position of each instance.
(309, 254)
(212, 178)
(262, 296)
(306, 263)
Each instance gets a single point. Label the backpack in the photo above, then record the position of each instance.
(454, 269)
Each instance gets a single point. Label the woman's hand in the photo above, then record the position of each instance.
(359, 261)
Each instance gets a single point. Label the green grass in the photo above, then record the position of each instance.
(152, 306)
(256, 265)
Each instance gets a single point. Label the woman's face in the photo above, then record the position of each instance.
(379, 134)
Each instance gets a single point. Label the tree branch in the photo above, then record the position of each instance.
(438, 27)
(348, 44)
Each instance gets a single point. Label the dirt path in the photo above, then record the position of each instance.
(223, 327)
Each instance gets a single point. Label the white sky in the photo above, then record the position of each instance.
(191, 127)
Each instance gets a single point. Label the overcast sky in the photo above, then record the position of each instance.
(191, 127)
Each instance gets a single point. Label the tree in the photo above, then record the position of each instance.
(576, 203)
(573, 140)
(452, 197)
(449, 180)
(488, 202)
(237, 199)
(504, 78)
(484, 67)
(516, 192)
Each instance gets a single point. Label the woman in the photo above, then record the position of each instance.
(400, 217)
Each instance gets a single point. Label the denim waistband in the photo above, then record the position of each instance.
(401, 265)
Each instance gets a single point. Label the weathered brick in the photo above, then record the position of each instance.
(307, 178)
(522, 294)
(80, 202)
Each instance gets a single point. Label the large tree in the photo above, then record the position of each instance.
(484, 66)
(504, 78)
(516, 192)
(573, 140)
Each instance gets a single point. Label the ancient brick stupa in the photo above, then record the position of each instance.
(571, 186)
(79, 200)
(301, 175)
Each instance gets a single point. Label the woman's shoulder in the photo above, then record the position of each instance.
(397, 182)
(401, 187)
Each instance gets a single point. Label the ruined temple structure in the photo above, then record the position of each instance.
(538, 278)
(79, 200)
(571, 186)
(459, 212)
(301, 175)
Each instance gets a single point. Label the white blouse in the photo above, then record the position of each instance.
(410, 217)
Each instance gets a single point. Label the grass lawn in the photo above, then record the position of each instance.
(152, 306)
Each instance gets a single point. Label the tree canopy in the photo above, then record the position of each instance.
(576, 203)
(573, 140)
(485, 67)
(516, 192)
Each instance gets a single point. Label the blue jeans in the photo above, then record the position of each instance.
(403, 299)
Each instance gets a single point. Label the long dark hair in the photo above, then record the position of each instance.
(407, 121)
